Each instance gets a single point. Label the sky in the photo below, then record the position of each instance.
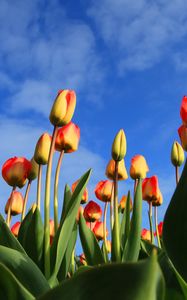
(126, 61)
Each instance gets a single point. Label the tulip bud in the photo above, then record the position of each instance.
(138, 167)
(103, 190)
(42, 149)
(119, 146)
(150, 189)
(182, 131)
(146, 235)
(110, 170)
(67, 138)
(92, 211)
(33, 173)
(123, 203)
(98, 230)
(15, 229)
(85, 193)
(183, 110)
(16, 200)
(160, 228)
(63, 108)
(177, 154)
(15, 171)
(83, 259)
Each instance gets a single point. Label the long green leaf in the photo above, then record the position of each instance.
(22, 235)
(175, 227)
(89, 243)
(132, 247)
(67, 198)
(129, 281)
(25, 270)
(125, 224)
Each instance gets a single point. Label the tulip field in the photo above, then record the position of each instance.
(120, 259)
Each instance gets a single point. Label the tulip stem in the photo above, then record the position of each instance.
(25, 200)
(151, 221)
(111, 209)
(39, 186)
(156, 226)
(177, 174)
(104, 222)
(56, 190)
(47, 207)
(115, 235)
(8, 219)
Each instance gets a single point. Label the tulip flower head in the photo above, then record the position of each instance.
(16, 200)
(110, 170)
(177, 154)
(183, 110)
(139, 167)
(98, 230)
(92, 211)
(33, 173)
(119, 146)
(15, 171)
(51, 230)
(182, 131)
(150, 189)
(90, 225)
(159, 200)
(63, 108)
(123, 203)
(103, 190)
(42, 149)
(15, 228)
(146, 234)
(85, 193)
(160, 228)
(67, 138)
(83, 259)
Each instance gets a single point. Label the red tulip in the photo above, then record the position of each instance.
(85, 193)
(16, 201)
(15, 228)
(90, 225)
(123, 203)
(92, 211)
(98, 230)
(182, 131)
(146, 234)
(183, 110)
(83, 259)
(15, 171)
(67, 138)
(103, 190)
(150, 189)
(160, 227)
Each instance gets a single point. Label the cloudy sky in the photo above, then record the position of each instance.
(125, 59)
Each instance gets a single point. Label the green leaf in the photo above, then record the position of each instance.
(67, 198)
(22, 235)
(130, 281)
(59, 248)
(175, 227)
(132, 247)
(125, 224)
(24, 269)
(11, 288)
(90, 244)
(7, 239)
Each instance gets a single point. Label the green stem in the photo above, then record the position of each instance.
(56, 190)
(47, 207)
(156, 226)
(177, 174)
(116, 218)
(135, 185)
(104, 222)
(25, 200)
(111, 209)
(8, 219)
(39, 186)
(151, 222)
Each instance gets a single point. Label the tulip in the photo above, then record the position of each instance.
(51, 230)
(123, 203)
(150, 189)
(83, 259)
(92, 212)
(119, 146)
(158, 201)
(16, 202)
(41, 153)
(103, 190)
(146, 234)
(122, 172)
(15, 228)
(98, 230)
(15, 171)
(139, 167)
(67, 138)
(183, 110)
(182, 131)
(63, 108)
(33, 173)
(90, 225)
(160, 227)
(177, 154)
(85, 193)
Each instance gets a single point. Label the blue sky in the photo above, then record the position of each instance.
(125, 59)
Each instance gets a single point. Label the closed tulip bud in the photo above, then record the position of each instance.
(110, 170)
(139, 167)
(146, 235)
(67, 138)
(85, 193)
(177, 154)
(42, 149)
(103, 190)
(63, 108)
(15, 229)
(150, 189)
(33, 173)
(183, 110)
(16, 200)
(182, 131)
(123, 203)
(15, 171)
(98, 230)
(119, 146)
(92, 212)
